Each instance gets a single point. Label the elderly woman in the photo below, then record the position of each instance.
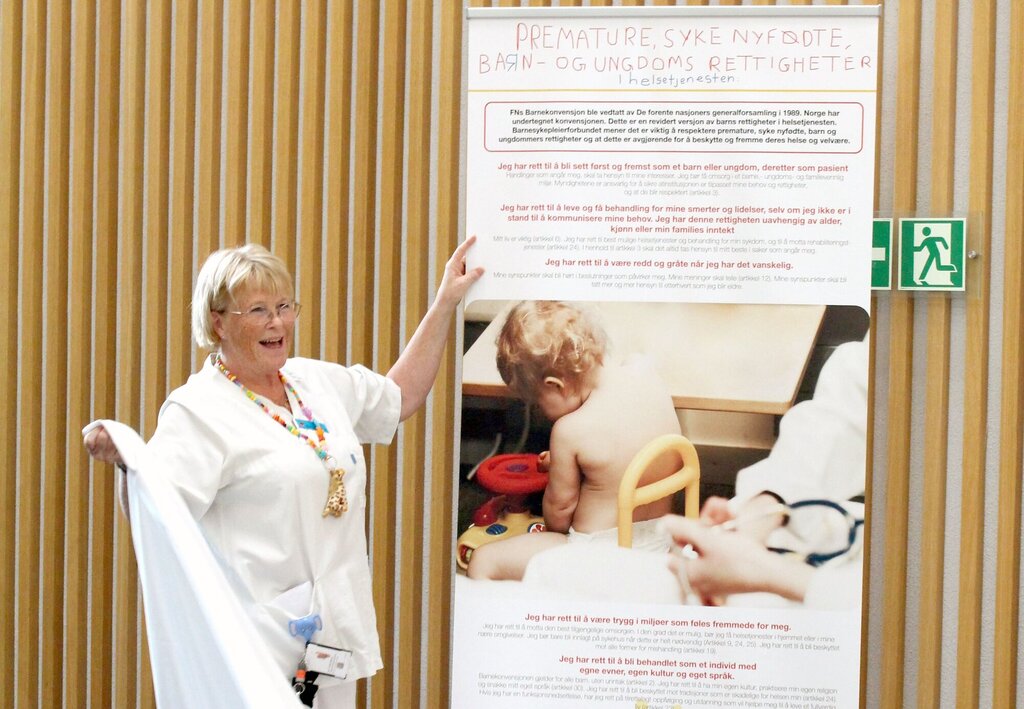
(266, 453)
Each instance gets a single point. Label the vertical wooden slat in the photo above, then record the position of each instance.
(104, 368)
(976, 356)
(54, 390)
(10, 161)
(869, 472)
(79, 299)
(208, 119)
(389, 280)
(443, 470)
(900, 364)
(1011, 429)
(236, 119)
(286, 142)
(337, 185)
(936, 416)
(182, 188)
(30, 335)
(311, 151)
(364, 175)
(417, 202)
(286, 134)
(261, 122)
(131, 169)
(156, 187)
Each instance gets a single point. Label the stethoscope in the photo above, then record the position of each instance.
(816, 559)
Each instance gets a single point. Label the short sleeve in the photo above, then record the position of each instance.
(373, 402)
(821, 448)
(191, 454)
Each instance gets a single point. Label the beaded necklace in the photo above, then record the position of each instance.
(337, 500)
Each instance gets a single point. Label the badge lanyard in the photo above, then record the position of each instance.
(337, 500)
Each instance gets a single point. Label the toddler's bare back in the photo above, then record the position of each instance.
(629, 407)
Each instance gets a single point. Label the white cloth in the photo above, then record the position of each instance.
(821, 453)
(205, 650)
(647, 535)
(602, 572)
(257, 492)
(821, 448)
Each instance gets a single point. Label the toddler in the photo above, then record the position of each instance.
(554, 355)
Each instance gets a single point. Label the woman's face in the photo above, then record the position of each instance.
(255, 343)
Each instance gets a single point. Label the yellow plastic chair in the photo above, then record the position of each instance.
(686, 477)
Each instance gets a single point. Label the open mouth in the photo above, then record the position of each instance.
(273, 344)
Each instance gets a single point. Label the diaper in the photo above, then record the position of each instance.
(647, 535)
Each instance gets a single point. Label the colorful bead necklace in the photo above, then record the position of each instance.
(337, 500)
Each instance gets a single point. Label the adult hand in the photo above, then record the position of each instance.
(729, 562)
(417, 366)
(101, 446)
(715, 511)
(757, 517)
(456, 280)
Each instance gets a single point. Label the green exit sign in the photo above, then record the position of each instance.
(881, 254)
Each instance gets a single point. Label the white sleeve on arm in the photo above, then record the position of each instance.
(821, 450)
(373, 402)
(192, 455)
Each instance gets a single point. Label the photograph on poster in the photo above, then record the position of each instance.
(761, 407)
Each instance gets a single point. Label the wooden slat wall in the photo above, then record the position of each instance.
(136, 137)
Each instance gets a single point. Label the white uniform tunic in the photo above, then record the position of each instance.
(257, 492)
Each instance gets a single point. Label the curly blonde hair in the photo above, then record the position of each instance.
(547, 338)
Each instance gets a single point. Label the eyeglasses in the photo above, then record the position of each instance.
(287, 311)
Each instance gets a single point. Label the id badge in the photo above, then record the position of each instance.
(327, 660)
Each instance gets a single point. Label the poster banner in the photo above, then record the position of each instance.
(673, 207)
